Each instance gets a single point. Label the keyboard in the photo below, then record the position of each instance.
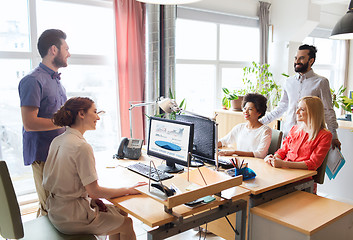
(144, 170)
(224, 163)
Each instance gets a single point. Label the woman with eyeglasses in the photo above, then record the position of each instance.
(70, 177)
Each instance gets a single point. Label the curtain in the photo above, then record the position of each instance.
(264, 28)
(130, 45)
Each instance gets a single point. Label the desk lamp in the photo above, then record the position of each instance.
(344, 27)
(160, 101)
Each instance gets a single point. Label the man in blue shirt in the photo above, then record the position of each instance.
(41, 95)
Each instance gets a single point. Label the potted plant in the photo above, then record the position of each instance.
(232, 100)
(339, 100)
(258, 79)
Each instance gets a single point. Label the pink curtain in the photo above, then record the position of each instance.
(130, 38)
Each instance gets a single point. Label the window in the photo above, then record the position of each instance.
(211, 50)
(330, 61)
(91, 71)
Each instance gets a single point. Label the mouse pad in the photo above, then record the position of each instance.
(168, 145)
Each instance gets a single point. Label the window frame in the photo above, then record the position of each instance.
(34, 58)
(218, 19)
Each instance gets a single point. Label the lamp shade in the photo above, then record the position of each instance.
(344, 27)
(168, 2)
(168, 105)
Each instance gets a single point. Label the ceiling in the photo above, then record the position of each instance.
(321, 2)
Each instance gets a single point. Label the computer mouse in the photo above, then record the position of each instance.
(164, 189)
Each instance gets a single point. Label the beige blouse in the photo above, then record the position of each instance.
(69, 167)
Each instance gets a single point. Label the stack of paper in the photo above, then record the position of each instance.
(335, 162)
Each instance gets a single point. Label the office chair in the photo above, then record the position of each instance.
(276, 141)
(320, 176)
(11, 225)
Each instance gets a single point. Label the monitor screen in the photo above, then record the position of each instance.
(205, 136)
(172, 141)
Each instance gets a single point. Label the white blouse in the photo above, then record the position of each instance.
(249, 140)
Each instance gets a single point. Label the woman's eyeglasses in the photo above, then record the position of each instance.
(100, 113)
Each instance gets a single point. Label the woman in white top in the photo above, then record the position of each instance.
(252, 138)
(70, 177)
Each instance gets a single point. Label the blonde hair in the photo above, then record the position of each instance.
(316, 117)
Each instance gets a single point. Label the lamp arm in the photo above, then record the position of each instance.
(132, 106)
(141, 104)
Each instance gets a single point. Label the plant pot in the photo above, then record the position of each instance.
(236, 104)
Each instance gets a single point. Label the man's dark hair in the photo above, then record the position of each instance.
(258, 100)
(312, 50)
(49, 38)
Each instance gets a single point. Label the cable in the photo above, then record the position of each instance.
(236, 231)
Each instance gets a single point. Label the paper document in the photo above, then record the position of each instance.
(335, 162)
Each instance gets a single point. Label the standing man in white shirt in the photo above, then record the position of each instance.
(304, 83)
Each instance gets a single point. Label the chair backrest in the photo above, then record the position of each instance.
(320, 176)
(10, 216)
(276, 141)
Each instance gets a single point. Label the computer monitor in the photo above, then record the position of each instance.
(172, 141)
(205, 137)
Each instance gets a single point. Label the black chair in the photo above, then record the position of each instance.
(320, 176)
(276, 141)
(11, 225)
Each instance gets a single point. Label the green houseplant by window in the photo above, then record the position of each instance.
(258, 79)
(232, 99)
(339, 100)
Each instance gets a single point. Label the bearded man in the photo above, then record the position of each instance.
(304, 83)
(41, 95)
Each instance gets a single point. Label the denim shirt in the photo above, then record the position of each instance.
(42, 89)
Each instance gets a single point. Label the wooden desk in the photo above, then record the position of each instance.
(269, 178)
(269, 183)
(302, 215)
(151, 212)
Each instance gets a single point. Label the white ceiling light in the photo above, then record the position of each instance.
(168, 2)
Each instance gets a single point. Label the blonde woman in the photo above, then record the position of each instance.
(307, 143)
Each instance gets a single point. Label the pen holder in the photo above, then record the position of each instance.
(245, 171)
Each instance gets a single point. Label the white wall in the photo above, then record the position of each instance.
(350, 74)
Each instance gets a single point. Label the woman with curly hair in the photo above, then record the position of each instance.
(252, 138)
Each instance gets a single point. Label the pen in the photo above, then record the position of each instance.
(232, 161)
(241, 163)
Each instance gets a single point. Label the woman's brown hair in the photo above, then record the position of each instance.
(66, 115)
